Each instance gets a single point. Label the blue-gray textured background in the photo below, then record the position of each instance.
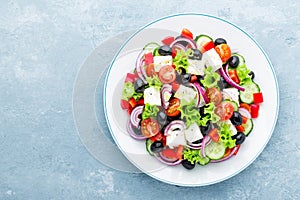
(43, 45)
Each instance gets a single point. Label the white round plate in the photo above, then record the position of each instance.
(256, 60)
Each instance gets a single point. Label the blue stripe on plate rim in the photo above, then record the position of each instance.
(210, 16)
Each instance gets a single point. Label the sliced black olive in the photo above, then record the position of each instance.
(239, 138)
(184, 43)
(196, 54)
(185, 78)
(252, 75)
(156, 146)
(165, 50)
(187, 164)
(236, 119)
(234, 61)
(139, 85)
(205, 129)
(197, 141)
(220, 41)
(162, 118)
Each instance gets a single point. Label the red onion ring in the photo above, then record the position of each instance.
(162, 160)
(224, 74)
(165, 88)
(179, 123)
(134, 116)
(201, 91)
(132, 133)
(179, 46)
(183, 39)
(227, 157)
(206, 141)
(139, 66)
(244, 112)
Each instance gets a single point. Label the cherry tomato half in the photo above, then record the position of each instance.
(172, 110)
(149, 127)
(150, 71)
(214, 135)
(167, 74)
(224, 52)
(224, 110)
(214, 95)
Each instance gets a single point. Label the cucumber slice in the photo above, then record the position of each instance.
(248, 127)
(234, 104)
(215, 150)
(247, 95)
(203, 160)
(148, 146)
(201, 40)
(155, 52)
(241, 59)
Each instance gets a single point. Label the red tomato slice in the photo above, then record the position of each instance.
(233, 75)
(187, 33)
(175, 86)
(238, 148)
(214, 135)
(149, 127)
(224, 111)
(258, 98)
(214, 95)
(167, 74)
(168, 40)
(224, 52)
(173, 154)
(245, 119)
(124, 104)
(172, 110)
(132, 102)
(149, 58)
(131, 77)
(254, 110)
(150, 71)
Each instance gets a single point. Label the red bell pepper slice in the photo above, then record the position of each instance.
(254, 110)
(258, 98)
(168, 40)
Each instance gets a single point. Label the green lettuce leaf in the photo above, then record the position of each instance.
(225, 135)
(154, 81)
(211, 78)
(149, 111)
(193, 155)
(209, 111)
(243, 74)
(128, 91)
(181, 60)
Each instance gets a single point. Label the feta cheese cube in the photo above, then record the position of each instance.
(175, 139)
(185, 93)
(212, 58)
(196, 67)
(152, 96)
(193, 133)
(231, 94)
(232, 127)
(160, 61)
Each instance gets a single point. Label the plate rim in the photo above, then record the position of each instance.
(209, 16)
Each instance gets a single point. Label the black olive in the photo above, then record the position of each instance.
(162, 118)
(185, 78)
(184, 43)
(236, 119)
(234, 61)
(196, 54)
(239, 138)
(139, 85)
(252, 75)
(205, 129)
(220, 41)
(156, 146)
(197, 141)
(165, 50)
(222, 83)
(187, 164)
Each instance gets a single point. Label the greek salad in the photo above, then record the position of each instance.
(192, 100)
